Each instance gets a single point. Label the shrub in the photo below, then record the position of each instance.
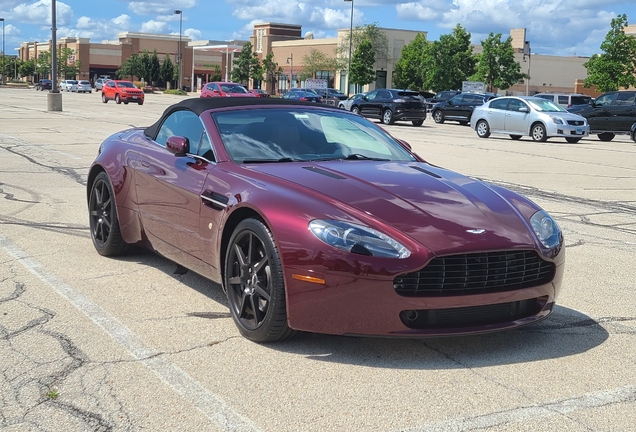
(175, 92)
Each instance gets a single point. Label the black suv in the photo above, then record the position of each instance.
(391, 105)
(443, 96)
(460, 107)
(610, 114)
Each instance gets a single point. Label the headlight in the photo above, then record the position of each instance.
(357, 239)
(547, 231)
(557, 120)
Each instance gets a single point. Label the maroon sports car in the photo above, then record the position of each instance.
(313, 218)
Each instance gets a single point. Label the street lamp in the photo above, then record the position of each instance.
(350, 43)
(2, 72)
(290, 61)
(527, 52)
(180, 13)
(54, 98)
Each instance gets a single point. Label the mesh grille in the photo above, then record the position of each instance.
(480, 273)
(576, 122)
(471, 316)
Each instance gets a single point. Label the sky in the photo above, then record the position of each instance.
(554, 27)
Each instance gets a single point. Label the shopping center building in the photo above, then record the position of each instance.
(200, 59)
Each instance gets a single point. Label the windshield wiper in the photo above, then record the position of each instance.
(285, 159)
(358, 156)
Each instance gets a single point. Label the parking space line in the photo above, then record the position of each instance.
(515, 415)
(211, 405)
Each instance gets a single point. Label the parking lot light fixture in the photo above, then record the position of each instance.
(180, 13)
(350, 45)
(2, 72)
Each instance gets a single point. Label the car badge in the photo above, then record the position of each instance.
(476, 231)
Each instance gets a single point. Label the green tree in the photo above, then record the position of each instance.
(67, 66)
(362, 71)
(155, 68)
(496, 64)
(450, 61)
(409, 72)
(166, 73)
(616, 66)
(130, 68)
(270, 69)
(43, 64)
(244, 64)
(370, 32)
(27, 68)
(216, 74)
(316, 61)
(145, 66)
(256, 70)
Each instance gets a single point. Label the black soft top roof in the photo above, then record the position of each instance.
(200, 105)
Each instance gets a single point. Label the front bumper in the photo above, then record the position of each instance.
(350, 305)
(568, 131)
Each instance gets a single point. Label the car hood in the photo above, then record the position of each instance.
(442, 210)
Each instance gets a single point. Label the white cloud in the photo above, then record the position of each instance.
(160, 7)
(39, 13)
(153, 26)
(97, 29)
(193, 34)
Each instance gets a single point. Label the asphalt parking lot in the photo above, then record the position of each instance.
(95, 344)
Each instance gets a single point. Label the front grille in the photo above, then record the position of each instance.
(471, 316)
(576, 122)
(479, 273)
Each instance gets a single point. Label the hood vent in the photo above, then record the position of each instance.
(420, 169)
(325, 173)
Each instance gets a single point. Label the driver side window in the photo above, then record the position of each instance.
(605, 100)
(182, 123)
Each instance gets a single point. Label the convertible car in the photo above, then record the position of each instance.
(312, 218)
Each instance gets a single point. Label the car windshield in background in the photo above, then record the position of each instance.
(297, 134)
(410, 95)
(233, 88)
(580, 100)
(543, 105)
(126, 84)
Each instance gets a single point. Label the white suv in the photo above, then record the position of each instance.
(566, 100)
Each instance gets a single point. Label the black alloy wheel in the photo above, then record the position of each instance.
(104, 224)
(606, 136)
(255, 284)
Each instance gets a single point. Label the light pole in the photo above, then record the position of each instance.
(54, 98)
(527, 52)
(180, 13)
(350, 44)
(2, 72)
(290, 60)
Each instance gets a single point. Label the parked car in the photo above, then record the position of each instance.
(122, 91)
(346, 104)
(391, 105)
(45, 84)
(632, 132)
(519, 116)
(259, 93)
(443, 96)
(566, 100)
(303, 89)
(611, 114)
(82, 86)
(224, 89)
(99, 83)
(331, 93)
(346, 223)
(302, 96)
(67, 85)
(460, 107)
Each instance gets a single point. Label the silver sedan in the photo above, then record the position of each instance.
(346, 104)
(519, 116)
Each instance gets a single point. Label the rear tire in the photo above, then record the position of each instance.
(483, 129)
(104, 98)
(572, 140)
(104, 223)
(117, 99)
(438, 116)
(606, 136)
(387, 117)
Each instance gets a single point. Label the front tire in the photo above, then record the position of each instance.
(606, 136)
(572, 140)
(417, 122)
(104, 223)
(255, 285)
(482, 128)
(117, 99)
(387, 117)
(538, 133)
(438, 116)
(355, 110)
(104, 98)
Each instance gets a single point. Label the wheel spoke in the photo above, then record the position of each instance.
(107, 204)
(249, 248)
(260, 289)
(260, 264)
(236, 280)
(254, 311)
(242, 260)
(243, 305)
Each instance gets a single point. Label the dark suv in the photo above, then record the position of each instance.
(610, 114)
(391, 105)
(459, 107)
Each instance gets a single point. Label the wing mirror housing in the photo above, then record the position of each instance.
(524, 109)
(178, 145)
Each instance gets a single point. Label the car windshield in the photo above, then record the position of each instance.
(126, 84)
(85, 82)
(580, 100)
(302, 134)
(544, 105)
(230, 88)
(71, 82)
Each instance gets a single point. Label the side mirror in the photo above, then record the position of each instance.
(365, 98)
(524, 109)
(177, 145)
(450, 101)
